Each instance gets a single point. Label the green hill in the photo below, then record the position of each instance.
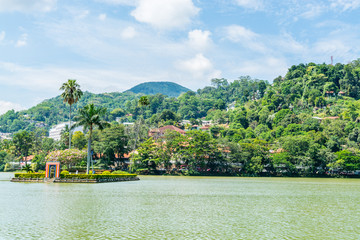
(166, 88)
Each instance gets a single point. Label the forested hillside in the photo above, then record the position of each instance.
(125, 105)
(304, 122)
(166, 88)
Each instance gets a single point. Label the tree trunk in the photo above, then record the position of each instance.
(136, 137)
(89, 153)
(70, 128)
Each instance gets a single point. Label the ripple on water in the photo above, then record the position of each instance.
(182, 208)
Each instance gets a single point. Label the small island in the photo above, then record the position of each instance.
(53, 174)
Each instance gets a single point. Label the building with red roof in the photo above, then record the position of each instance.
(160, 132)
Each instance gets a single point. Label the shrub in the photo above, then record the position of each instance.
(99, 176)
(142, 171)
(119, 172)
(106, 172)
(29, 175)
(64, 172)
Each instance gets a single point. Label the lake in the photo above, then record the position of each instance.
(159, 207)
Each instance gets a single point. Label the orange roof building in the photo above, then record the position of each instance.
(160, 132)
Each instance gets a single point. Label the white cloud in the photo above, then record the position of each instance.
(251, 4)
(199, 39)
(338, 47)
(238, 33)
(313, 10)
(245, 37)
(27, 5)
(32, 85)
(287, 44)
(165, 14)
(345, 4)
(102, 17)
(120, 2)
(2, 35)
(199, 67)
(128, 33)
(6, 106)
(22, 41)
(262, 68)
(197, 64)
(82, 14)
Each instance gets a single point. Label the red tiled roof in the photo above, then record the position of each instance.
(28, 158)
(171, 127)
(168, 127)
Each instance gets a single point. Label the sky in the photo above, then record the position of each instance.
(113, 45)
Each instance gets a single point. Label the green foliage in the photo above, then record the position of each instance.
(106, 172)
(98, 176)
(112, 143)
(23, 141)
(119, 172)
(310, 115)
(91, 117)
(29, 175)
(167, 88)
(27, 168)
(348, 160)
(78, 140)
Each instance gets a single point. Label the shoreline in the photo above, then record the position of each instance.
(73, 180)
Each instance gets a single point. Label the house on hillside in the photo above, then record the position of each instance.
(231, 106)
(206, 122)
(185, 122)
(341, 93)
(329, 94)
(160, 132)
(332, 118)
(5, 136)
(205, 128)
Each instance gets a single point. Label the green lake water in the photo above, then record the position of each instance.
(182, 208)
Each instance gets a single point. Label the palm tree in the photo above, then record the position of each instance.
(90, 117)
(27, 168)
(143, 102)
(71, 95)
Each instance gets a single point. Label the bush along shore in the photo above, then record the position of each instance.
(74, 178)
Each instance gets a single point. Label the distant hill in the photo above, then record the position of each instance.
(167, 88)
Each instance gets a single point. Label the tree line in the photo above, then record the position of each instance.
(304, 123)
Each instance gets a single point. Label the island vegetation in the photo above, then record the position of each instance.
(305, 123)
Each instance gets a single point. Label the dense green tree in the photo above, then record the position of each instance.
(23, 141)
(113, 143)
(78, 140)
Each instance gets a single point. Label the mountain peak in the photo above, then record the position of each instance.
(170, 89)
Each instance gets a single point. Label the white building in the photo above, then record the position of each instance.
(55, 132)
(5, 136)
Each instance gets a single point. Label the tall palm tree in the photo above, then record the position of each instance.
(90, 117)
(143, 102)
(71, 95)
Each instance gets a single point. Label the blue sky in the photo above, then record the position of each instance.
(112, 45)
